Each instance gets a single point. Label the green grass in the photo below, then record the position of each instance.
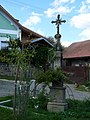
(7, 77)
(9, 104)
(78, 110)
(82, 88)
(6, 98)
(6, 114)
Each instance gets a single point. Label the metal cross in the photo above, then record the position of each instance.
(58, 22)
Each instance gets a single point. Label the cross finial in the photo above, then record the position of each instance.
(58, 22)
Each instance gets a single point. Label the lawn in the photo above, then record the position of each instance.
(5, 98)
(7, 77)
(77, 110)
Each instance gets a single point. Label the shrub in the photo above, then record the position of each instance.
(39, 102)
(52, 75)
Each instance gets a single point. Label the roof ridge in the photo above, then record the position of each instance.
(81, 41)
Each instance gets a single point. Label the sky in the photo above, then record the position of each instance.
(38, 14)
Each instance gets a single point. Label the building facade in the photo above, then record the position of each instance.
(10, 28)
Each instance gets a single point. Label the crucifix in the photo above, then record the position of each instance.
(58, 22)
(58, 103)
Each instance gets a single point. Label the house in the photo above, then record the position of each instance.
(10, 28)
(77, 61)
(77, 54)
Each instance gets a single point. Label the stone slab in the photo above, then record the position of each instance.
(57, 107)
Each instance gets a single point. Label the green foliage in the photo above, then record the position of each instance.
(39, 102)
(6, 114)
(78, 110)
(10, 54)
(4, 55)
(41, 56)
(43, 100)
(14, 54)
(84, 87)
(19, 57)
(88, 85)
(13, 44)
(51, 75)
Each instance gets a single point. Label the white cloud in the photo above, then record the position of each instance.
(72, 1)
(87, 1)
(81, 21)
(85, 34)
(83, 8)
(64, 10)
(34, 19)
(36, 14)
(50, 12)
(61, 10)
(66, 43)
(59, 6)
(58, 2)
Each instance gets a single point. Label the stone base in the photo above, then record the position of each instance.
(56, 107)
(57, 94)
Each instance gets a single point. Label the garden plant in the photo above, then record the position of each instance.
(78, 110)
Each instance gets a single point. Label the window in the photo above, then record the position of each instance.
(4, 44)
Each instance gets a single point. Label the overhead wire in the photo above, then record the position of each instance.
(30, 6)
(23, 4)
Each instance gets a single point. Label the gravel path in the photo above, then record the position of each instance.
(79, 95)
(7, 88)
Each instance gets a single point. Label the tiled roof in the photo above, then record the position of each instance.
(77, 50)
(20, 26)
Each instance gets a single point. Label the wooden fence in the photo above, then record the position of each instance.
(78, 75)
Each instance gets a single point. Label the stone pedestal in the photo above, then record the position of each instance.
(58, 102)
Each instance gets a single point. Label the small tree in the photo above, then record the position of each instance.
(21, 58)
